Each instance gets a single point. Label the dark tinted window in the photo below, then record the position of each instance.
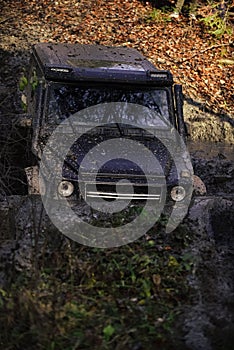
(66, 100)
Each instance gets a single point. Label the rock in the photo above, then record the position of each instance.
(208, 126)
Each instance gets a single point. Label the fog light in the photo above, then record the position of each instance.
(65, 188)
(178, 193)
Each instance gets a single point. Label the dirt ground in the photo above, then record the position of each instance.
(208, 111)
(208, 323)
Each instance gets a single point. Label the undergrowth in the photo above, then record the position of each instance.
(88, 298)
(215, 16)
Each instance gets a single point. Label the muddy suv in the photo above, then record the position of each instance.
(66, 79)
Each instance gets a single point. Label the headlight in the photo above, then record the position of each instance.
(65, 188)
(185, 173)
(178, 193)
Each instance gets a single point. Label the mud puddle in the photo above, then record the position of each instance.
(214, 163)
(207, 150)
(208, 322)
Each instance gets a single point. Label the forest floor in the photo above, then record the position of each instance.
(163, 291)
(189, 46)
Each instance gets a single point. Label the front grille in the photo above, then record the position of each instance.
(107, 191)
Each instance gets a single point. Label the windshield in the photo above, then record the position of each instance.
(66, 100)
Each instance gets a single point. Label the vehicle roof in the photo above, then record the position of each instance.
(74, 62)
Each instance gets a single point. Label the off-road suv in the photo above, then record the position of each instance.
(66, 79)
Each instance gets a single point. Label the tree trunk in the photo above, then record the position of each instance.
(179, 5)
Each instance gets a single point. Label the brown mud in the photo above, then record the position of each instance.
(208, 323)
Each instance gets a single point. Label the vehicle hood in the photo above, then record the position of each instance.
(90, 154)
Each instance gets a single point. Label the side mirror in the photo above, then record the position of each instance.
(179, 101)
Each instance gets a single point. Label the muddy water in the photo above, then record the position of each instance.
(208, 322)
(208, 150)
(214, 163)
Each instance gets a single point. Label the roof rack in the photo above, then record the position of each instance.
(78, 62)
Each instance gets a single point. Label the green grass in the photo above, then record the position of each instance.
(87, 298)
(159, 15)
(217, 25)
